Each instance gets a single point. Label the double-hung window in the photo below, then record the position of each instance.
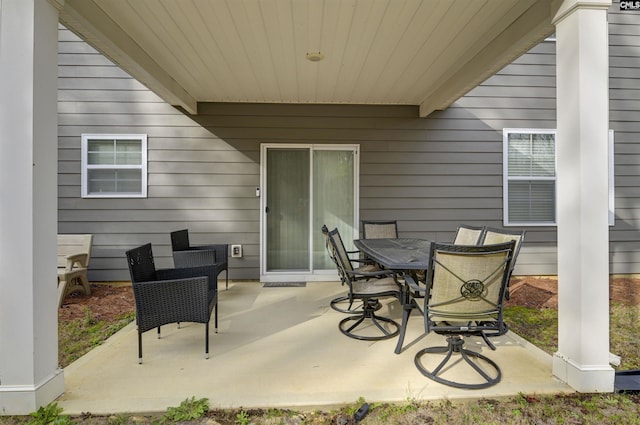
(529, 177)
(529, 187)
(114, 165)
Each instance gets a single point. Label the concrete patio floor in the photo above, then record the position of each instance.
(281, 348)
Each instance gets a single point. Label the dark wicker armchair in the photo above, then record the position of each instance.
(166, 296)
(186, 255)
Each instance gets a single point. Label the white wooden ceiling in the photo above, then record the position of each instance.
(407, 52)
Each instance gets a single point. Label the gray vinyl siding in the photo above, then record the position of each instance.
(624, 105)
(195, 180)
(522, 95)
(430, 174)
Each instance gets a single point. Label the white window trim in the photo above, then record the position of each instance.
(506, 179)
(505, 176)
(85, 166)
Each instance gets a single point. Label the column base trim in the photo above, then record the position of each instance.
(24, 399)
(584, 379)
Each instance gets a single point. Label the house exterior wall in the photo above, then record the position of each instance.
(624, 115)
(430, 174)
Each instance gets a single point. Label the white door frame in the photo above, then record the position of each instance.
(312, 275)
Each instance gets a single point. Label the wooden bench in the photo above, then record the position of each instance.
(74, 252)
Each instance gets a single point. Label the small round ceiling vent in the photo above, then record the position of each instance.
(315, 56)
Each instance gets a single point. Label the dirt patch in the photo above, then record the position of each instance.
(533, 292)
(106, 302)
(542, 292)
(625, 289)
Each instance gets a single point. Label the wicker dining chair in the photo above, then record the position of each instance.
(464, 296)
(164, 296)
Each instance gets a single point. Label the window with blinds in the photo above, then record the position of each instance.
(529, 177)
(114, 165)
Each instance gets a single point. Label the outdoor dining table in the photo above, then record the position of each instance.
(405, 255)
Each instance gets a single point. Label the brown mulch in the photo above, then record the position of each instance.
(106, 301)
(542, 292)
(109, 300)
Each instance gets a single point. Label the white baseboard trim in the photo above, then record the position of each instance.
(24, 399)
(584, 378)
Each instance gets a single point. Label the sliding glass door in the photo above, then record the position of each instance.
(304, 187)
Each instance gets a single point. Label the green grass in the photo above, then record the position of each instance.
(585, 409)
(189, 410)
(540, 327)
(624, 335)
(77, 337)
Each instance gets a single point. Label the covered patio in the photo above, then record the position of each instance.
(462, 46)
(281, 348)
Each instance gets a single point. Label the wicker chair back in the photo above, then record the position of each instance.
(180, 240)
(187, 255)
(141, 265)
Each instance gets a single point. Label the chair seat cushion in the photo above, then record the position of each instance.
(367, 268)
(375, 286)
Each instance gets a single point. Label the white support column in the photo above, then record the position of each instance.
(582, 359)
(29, 372)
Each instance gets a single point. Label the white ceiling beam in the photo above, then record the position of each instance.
(93, 25)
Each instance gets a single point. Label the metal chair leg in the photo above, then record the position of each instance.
(368, 315)
(455, 345)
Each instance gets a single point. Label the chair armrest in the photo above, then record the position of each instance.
(362, 260)
(76, 259)
(415, 286)
(170, 301)
(210, 271)
(376, 273)
(354, 258)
